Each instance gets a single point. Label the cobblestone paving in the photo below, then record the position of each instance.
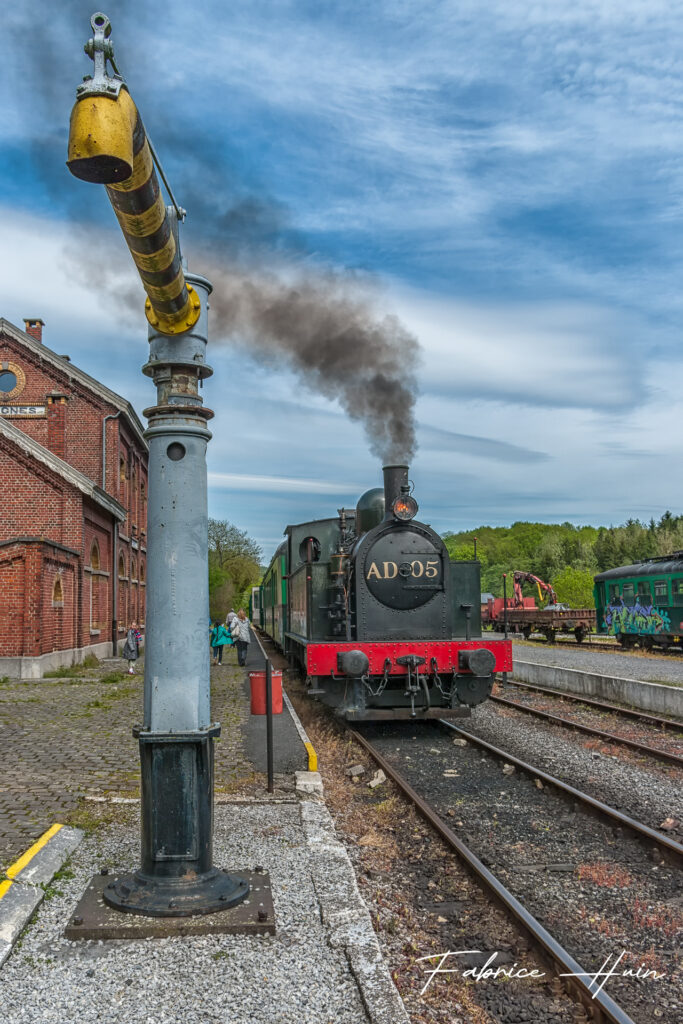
(62, 739)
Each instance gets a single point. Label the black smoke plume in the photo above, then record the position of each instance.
(322, 324)
(325, 328)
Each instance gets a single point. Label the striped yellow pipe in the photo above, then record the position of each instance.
(108, 144)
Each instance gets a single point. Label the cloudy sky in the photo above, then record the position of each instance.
(506, 178)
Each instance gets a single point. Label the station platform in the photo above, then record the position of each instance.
(322, 964)
(289, 753)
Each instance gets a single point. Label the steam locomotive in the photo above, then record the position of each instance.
(370, 607)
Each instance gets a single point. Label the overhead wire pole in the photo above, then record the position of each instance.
(108, 145)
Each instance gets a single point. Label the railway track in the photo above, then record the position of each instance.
(669, 848)
(598, 1003)
(602, 705)
(559, 936)
(642, 748)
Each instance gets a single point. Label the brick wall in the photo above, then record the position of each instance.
(58, 600)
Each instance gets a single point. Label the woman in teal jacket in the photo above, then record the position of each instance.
(219, 638)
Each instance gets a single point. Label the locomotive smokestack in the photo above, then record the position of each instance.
(395, 477)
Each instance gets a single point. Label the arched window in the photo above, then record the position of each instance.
(57, 594)
(122, 469)
(134, 569)
(122, 567)
(95, 555)
(142, 572)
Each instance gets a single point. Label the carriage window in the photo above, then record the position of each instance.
(613, 593)
(661, 590)
(677, 592)
(644, 595)
(628, 593)
(309, 549)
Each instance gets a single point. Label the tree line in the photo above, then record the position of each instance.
(234, 568)
(565, 555)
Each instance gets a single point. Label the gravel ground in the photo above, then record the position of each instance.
(423, 901)
(653, 668)
(638, 730)
(598, 891)
(291, 978)
(649, 792)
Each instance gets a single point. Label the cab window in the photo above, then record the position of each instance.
(628, 593)
(677, 591)
(661, 590)
(613, 597)
(644, 594)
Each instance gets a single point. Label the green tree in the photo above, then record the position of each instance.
(234, 567)
(574, 587)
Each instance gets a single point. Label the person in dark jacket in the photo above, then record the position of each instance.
(131, 648)
(219, 638)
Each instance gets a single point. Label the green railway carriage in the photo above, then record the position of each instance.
(273, 613)
(642, 603)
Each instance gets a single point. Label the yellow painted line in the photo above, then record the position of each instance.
(20, 864)
(312, 757)
(27, 857)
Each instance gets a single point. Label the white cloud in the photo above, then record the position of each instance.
(530, 354)
(288, 484)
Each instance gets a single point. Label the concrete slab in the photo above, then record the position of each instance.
(23, 890)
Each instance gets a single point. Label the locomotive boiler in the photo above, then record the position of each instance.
(371, 608)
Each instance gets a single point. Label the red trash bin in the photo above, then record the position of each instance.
(257, 683)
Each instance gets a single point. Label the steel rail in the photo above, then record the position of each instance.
(602, 1007)
(670, 847)
(628, 712)
(664, 755)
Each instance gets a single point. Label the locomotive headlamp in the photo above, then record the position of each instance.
(404, 508)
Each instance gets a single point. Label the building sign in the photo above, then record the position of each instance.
(24, 411)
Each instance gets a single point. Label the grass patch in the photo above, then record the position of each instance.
(113, 677)
(90, 661)
(90, 816)
(65, 672)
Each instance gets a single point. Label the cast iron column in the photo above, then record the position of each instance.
(176, 876)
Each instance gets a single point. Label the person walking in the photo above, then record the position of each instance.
(131, 648)
(219, 638)
(243, 637)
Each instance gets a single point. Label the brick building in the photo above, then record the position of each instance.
(73, 509)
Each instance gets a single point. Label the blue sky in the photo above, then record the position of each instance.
(507, 178)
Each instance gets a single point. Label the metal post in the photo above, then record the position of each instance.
(505, 618)
(177, 876)
(108, 144)
(269, 722)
